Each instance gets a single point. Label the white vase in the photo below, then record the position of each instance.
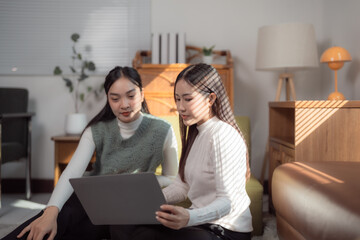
(207, 59)
(75, 123)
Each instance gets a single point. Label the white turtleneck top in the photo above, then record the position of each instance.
(215, 178)
(86, 148)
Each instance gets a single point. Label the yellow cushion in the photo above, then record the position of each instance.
(174, 121)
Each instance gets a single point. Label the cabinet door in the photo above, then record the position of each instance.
(288, 154)
(275, 159)
(158, 84)
(274, 162)
(161, 104)
(158, 79)
(278, 154)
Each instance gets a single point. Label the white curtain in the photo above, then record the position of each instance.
(35, 34)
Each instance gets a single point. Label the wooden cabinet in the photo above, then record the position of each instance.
(313, 131)
(158, 79)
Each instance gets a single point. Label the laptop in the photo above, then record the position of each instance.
(120, 199)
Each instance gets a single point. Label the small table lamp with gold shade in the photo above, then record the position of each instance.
(335, 58)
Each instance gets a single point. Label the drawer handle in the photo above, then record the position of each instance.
(172, 84)
(173, 109)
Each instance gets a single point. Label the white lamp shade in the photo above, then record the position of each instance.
(289, 46)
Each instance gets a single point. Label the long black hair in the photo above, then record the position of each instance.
(206, 80)
(116, 73)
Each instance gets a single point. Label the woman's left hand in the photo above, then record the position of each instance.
(174, 217)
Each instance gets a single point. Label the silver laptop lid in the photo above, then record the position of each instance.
(120, 199)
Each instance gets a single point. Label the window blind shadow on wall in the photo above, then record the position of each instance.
(35, 34)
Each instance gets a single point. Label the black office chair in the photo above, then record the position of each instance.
(15, 130)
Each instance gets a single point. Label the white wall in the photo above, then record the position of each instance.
(341, 29)
(233, 25)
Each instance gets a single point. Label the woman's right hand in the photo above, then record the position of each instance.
(45, 224)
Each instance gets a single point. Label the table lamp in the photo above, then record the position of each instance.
(286, 48)
(335, 58)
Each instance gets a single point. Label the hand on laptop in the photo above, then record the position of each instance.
(174, 217)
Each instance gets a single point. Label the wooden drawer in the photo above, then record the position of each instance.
(158, 80)
(287, 154)
(279, 154)
(161, 103)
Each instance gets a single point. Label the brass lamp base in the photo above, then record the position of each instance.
(336, 96)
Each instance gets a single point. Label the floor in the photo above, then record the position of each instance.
(15, 210)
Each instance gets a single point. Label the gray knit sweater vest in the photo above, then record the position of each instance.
(142, 152)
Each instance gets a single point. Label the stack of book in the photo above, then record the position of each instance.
(168, 48)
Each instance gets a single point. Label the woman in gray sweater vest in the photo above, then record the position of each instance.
(126, 139)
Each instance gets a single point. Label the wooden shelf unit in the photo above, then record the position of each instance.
(313, 131)
(65, 146)
(158, 79)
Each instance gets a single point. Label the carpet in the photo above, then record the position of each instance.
(270, 232)
(14, 211)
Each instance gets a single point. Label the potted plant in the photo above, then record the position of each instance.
(75, 122)
(208, 54)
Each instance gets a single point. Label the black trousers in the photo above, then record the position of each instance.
(160, 232)
(72, 224)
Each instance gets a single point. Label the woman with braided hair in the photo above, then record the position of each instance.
(213, 167)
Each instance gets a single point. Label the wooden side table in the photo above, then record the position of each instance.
(65, 146)
(313, 131)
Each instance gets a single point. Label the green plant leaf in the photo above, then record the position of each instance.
(91, 66)
(82, 77)
(82, 96)
(208, 51)
(69, 84)
(72, 69)
(79, 73)
(75, 37)
(83, 68)
(57, 70)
